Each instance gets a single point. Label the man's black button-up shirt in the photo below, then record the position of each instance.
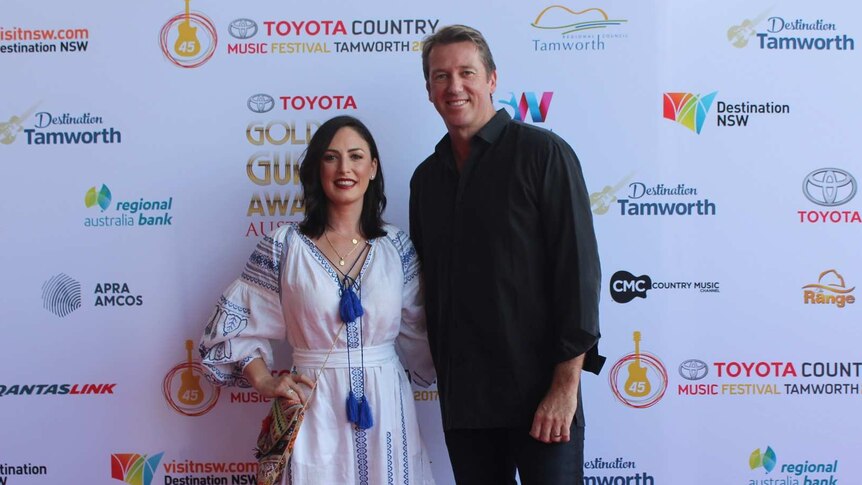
(511, 268)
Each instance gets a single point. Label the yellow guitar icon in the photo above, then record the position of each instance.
(600, 202)
(187, 44)
(190, 392)
(637, 385)
(9, 130)
(738, 35)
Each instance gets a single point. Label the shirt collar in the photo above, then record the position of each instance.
(489, 133)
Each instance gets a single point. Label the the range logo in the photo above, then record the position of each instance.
(61, 295)
(830, 289)
(693, 369)
(133, 468)
(530, 103)
(829, 187)
(242, 29)
(260, 103)
(625, 286)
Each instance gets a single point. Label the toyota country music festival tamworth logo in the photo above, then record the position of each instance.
(638, 380)
(829, 188)
(188, 39)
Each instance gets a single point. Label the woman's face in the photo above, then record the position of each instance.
(347, 168)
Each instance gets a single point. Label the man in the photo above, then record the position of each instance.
(500, 218)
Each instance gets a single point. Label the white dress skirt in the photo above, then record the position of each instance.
(290, 290)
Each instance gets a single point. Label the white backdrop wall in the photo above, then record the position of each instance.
(111, 120)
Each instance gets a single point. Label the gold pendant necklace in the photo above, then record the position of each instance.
(341, 258)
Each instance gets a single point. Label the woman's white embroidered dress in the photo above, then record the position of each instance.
(290, 290)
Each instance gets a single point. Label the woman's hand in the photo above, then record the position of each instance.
(289, 387)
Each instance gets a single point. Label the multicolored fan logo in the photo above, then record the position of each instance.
(133, 468)
(688, 109)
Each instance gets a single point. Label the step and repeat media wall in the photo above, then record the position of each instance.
(145, 147)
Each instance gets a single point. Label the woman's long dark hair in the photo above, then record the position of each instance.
(316, 204)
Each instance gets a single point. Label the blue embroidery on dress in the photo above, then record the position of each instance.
(327, 266)
(389, 466)
(264, 265)
(361, 454)
(407, 253)
(404, 453)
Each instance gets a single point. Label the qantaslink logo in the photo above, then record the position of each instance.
(133, 468)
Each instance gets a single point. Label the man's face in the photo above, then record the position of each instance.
(460, 88)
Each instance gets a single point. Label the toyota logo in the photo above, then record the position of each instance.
(242, 29)
(260, 103)
(829, 187)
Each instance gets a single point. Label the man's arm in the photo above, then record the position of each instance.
(553, 419)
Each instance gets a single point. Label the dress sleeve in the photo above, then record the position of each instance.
(412, 340)
(247, 316)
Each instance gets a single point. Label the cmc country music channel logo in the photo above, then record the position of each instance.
(188, 39)
(125, 213)
(590, 29)
(135, 469)
(19, 40)
(328, 35)
(537, 106)
(625, 287)
(829, 187)
(184, 389)
(830, 289)
(789, 33)
(638, 380)
(807, 472)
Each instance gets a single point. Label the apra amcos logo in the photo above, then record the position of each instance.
(530, 103)
(133, 468)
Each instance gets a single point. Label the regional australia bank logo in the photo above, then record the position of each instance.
(564, 29)
(188, 39)
(124, 213)
(808, 472)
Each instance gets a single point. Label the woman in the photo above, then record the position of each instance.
(360, 426)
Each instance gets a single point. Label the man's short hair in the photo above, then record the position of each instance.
(452, 34)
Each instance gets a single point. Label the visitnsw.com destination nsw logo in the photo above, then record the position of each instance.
(566, 29)
(691, 110)
(138, 469)
(125, 213)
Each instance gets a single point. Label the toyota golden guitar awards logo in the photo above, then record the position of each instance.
(188, 39)
(185, 390)
(638, 380)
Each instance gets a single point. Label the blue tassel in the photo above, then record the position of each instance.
(349, 307)
(352, 408)
(366, 420)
